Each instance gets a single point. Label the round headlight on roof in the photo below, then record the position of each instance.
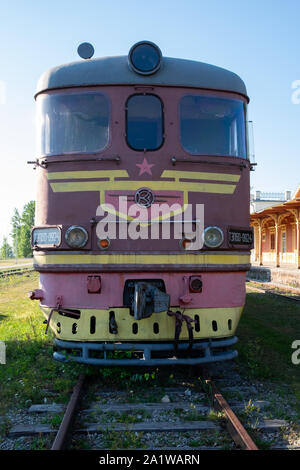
(213, 237)
(76, 236)
(85, 50)
(145, 57)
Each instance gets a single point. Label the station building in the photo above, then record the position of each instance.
(276, 227)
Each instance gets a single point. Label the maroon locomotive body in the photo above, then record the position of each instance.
(142, 236)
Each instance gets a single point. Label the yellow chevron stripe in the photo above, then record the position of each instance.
(195, 175)
(134, 185)
(65, 175)
(112, 174)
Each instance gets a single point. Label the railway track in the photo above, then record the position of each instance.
(16, 271)
(234, 427)
(271, 292)
(191, 415)
(150, 418)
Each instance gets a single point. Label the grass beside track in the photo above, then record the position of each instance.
(268, 327)
(29, 368)
(266, 331)
(14, 263)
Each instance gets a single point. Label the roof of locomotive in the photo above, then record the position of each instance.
(116, 71)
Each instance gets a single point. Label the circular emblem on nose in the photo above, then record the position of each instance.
(144, 197)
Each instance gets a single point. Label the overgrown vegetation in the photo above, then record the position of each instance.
(29, 373)
(126, 440)
(266, 332)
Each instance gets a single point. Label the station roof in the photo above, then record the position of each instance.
(278, 209)
(116, 71)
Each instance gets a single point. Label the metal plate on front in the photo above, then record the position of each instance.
(50, 236)
(240, 237)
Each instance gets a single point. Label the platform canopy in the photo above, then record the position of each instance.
(277, 233)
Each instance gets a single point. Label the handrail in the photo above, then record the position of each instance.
(45, 162)
(175, 160)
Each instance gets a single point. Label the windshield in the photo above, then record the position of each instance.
(72, 123)
(212, 126)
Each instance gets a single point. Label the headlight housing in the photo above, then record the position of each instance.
(145, 57)
(76, 236)
(213, 237)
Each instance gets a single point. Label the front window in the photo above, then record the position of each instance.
(144, 115)
(72, 123)
(212, 126)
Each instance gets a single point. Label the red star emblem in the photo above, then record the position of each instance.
(145, 167)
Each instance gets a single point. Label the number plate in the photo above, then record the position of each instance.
(46, 236)
(240, 237)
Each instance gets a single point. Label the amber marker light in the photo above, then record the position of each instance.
(184, 243)
(104, 243)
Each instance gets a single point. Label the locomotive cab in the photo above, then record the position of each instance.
(142, 237)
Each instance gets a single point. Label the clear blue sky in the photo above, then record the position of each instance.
(257, 39)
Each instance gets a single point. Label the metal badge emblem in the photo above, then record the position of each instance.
(144, 197)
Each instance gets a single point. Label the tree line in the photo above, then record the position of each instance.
(21, 224)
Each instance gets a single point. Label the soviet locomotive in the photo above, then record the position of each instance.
(142, 238)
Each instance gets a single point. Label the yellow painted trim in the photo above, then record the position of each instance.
(166, 216)
(65, 175)
(183, 259)
(196, 175)
(145, 326)
(112, 174)
(128, 185)
(214, 188)
(103, 186)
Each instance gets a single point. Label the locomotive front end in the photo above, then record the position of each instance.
(142, 237)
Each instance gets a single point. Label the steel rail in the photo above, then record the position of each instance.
(274, 294)
(63, 434)
(15, 271)
(234, 426)
(236, 430)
